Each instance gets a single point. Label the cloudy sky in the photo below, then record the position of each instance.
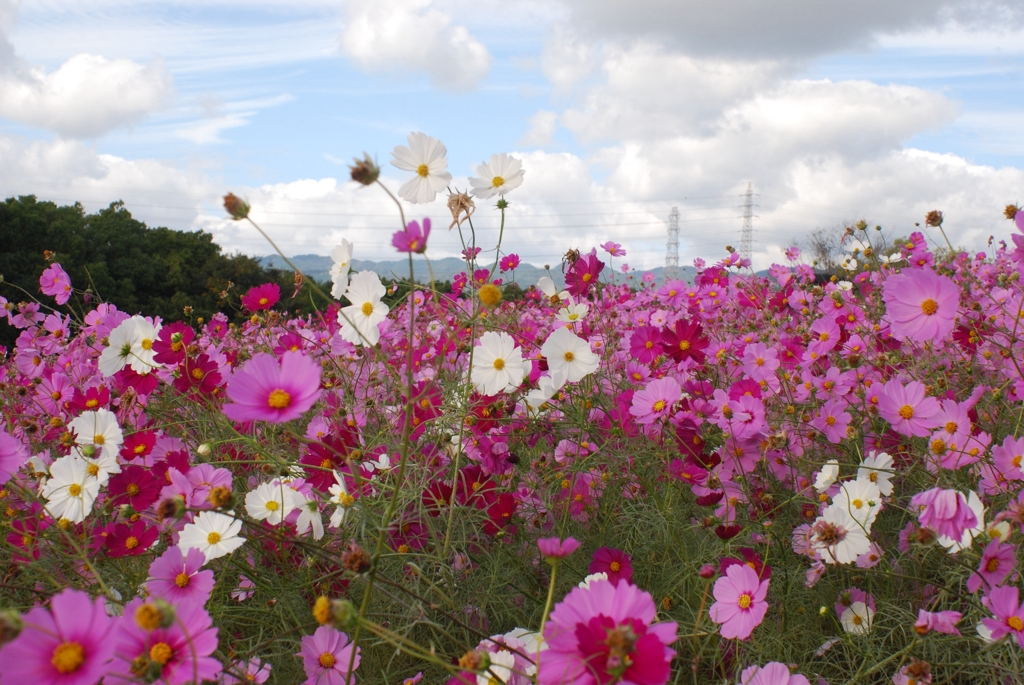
(833, 111)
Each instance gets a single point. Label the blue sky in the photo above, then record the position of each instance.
(619, 111)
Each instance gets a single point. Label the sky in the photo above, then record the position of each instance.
(832, 112)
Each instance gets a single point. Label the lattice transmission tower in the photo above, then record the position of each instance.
(747, 232)
(672, 247)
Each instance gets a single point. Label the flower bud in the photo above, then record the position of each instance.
(344, 615)
(364, 171)
(204, 450)
(708, 571)
(10, 625)
(236, 207)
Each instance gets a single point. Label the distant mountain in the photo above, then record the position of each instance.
(319, 267)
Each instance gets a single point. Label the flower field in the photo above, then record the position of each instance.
(768, 480)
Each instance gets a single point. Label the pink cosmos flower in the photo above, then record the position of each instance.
(326, 655)
(261, 297)
(944, 511)
(255, 672)
(833, 421)
(656, 400)
(509, 263)
(66, 645)
(178, 577)
(13, 454)
(603, 633)
(614, 249)
(174, 655)
(554, 548)
(920, 305)
(583, 274)
(265, 390)
(940, 622)
(412, 239)
(824, 336)
(741, 606)
(907, 408)
(645, 344)
(54, 281)
(614, 562)
(997, 561)
(1007, 457)
(773, 673)
(1009, 614)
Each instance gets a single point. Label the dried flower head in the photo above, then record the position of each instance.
(236, 207)
(1011, 212)
(365, 171)
(461, 206)
(933, 218)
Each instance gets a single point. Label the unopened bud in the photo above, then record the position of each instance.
(708, 571)
(344, 615)
(236, 207)
(156, 614)
(204, 450)
(475, 660)
(364, 170)
(10, 625)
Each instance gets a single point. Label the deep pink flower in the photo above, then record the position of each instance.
(940, 622)
(685, 341)
(265, 390)
(1009, 614)
(583, 274)
(198, 375)
(54, 281)
(509, 263)
(138, 445)
(68, 644)
(920, 305)
(944, 511)
(326, 655)
(261, 297)
(751, 559)
(645, 344)
(172, 343)
(773, 673)
(136, 486)
(172, 655)
(740, 605)
(177, 577)
(13, 454)
(997, 561)
(656, 400)
(907, 408)
(616, 563)
(412, 239)
(603, 634)
(130, 540)
(555, 548)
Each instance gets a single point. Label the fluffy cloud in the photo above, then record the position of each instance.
(413, 36)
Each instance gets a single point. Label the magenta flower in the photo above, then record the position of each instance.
(741, 606)
(54, 281)
(13, 454)
(178, 577)
(997, 561)
(509, 263)
(326, 655)
(66, 645)
(554, 548)
(1009, 614)
(907, 408)
(656, 400)
(583, 274)
(614, 562)
(603, 634)
(174, 655)
(939, 621)
(645, 344)
(261, 297)
(614, 249)
(130, 539)
(265, 390)
(920, 305)
(412, 239)
(772, 673)
(944, 511)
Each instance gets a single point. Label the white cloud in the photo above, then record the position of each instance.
(567, 58)
(542, 129)
(413, 36)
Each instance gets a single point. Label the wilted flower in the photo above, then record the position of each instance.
(236, 207)
(365, 171)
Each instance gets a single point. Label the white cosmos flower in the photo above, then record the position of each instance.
(70, 490)
(141, 359)
(838, 537)
(547, 286)
(568, 352)
(828, 474)
(500, 669)
(861, 499)
(100, 463)
(119, 348)
(857, 618)
(848, 263)
(571, 313)
(271, 502)
(98, 428)
(426, 157)
(383, 463)
(309, 517)
(894, 258)
(585, 583)
(499, 176)
(212, 533)
(547, 387)
(878, 469)
(360, 319)
(342, 259)
(497, 364)
(340, 497)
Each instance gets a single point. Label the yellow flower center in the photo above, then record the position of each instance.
(160, 653)
(499, 364)
(213, 538)
(830, 420)
(951, 426)
(147, 344)
(569, 356)
(367, 308)
(857, 620)
(423, 170)
(586, 278)
(98, 439)
(148, 617)
(132, 542)
(857, 503)
(992, 565)
(327, 660)
(745, 601)
(1015, 622)
(684, 345)
(929, 306)
(497, 181)
(75, 490)
(272, 505)
(132, 489)
(823, 337)
(659, 405)
(68, 657)
(182, 579)
(1016, 461)
(615, 566)
(279, 399)
(906, 411)
(198, 374)
(93, 470)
